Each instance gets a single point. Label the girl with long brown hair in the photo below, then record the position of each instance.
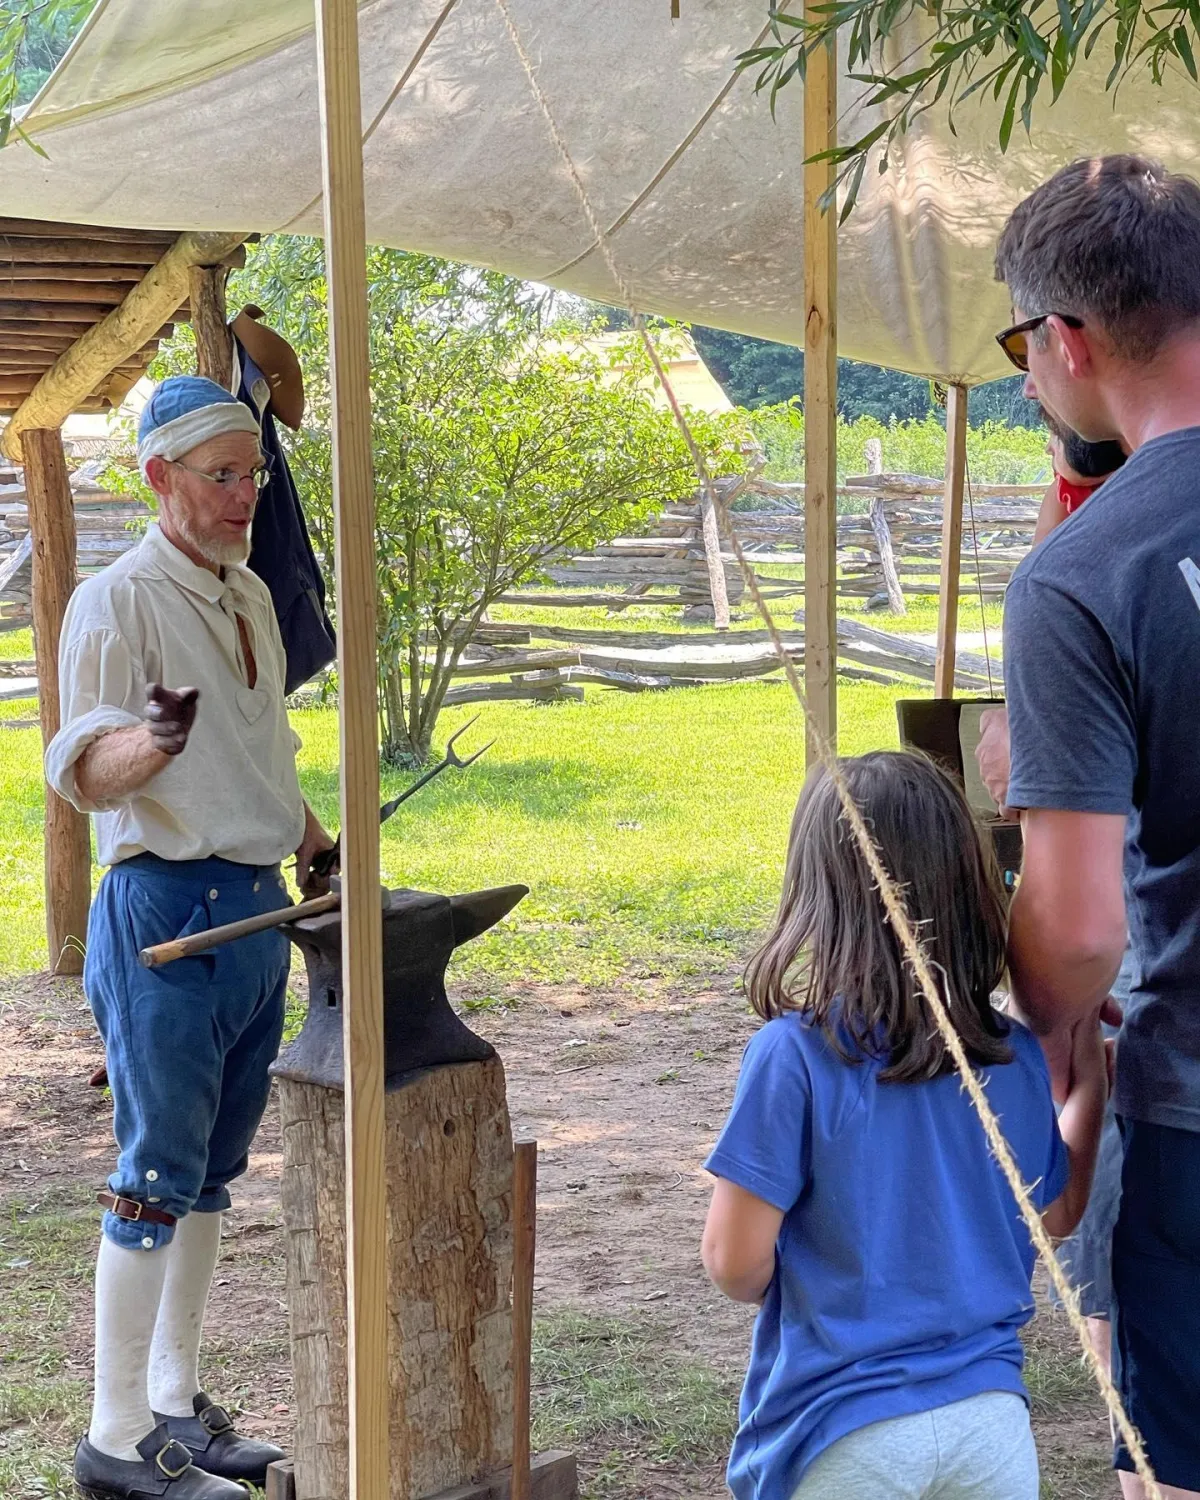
(856, 1198)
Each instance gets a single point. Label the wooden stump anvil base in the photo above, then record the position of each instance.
(449, 1159)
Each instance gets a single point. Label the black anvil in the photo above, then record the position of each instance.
(420, 1031)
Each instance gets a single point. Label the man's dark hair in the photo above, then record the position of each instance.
(1114, 240)
(1092, 460)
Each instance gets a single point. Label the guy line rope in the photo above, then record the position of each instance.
(890, 894)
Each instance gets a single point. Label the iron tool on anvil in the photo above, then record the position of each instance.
(175, 737)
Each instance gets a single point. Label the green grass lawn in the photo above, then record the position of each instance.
(16, 645)
(649, 827)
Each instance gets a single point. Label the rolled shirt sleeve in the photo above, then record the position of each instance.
(102, 690)
(1074, 742)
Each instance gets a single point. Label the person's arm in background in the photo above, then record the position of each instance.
(738, 1247)
(1080, 1124)
(1052, 513)
(760, 1163)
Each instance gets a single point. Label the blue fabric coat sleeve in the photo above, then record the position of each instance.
(764, 1146)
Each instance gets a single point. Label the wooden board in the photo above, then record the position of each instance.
(820, 404)
(354, 550)
(553, 1476)
(952, 508)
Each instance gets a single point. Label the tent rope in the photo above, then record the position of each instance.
(889, 892)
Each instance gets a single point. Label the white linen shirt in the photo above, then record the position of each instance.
(156, 616)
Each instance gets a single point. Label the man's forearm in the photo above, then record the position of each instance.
(1055, 983)
(118, 764)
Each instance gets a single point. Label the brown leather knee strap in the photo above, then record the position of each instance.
(133, 1210)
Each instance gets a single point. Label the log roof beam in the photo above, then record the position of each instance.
(113, 335)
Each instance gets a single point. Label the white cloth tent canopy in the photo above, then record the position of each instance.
(184, 115)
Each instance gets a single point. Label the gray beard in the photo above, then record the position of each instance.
(219, 554)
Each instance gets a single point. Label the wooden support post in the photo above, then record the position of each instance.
(68, 846)
(362, 932)
(820, 401)
(712, 556)
(210, 322)
(524, 1246)
(952, 509)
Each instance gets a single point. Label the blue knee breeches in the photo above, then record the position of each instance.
(188, 1045)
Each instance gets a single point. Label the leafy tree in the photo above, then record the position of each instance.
(1013, 51)
(498, 443)
(34, 34)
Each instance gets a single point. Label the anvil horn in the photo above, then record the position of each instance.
(476, 911)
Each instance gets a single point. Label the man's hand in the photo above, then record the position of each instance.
(169, 716)
(315, 841)
(992, 753)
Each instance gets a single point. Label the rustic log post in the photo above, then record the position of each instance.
(883, 533)
(712, 556)
(952, 509)
(887, 557)
(446, 1316)
(67, 843)
(820, 403)
(210, 322)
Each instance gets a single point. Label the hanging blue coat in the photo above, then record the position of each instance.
(281, 550)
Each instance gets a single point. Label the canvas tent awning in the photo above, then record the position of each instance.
(187, 116)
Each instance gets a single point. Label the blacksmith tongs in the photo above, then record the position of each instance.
(326, 862)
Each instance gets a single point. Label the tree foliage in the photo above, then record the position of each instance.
(1013, 52)
(757, 372)
(498, 442)
(34, 34)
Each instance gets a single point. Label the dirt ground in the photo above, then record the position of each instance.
(638, 1358)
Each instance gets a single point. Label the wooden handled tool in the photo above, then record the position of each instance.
(201, 942)
(524, 1196)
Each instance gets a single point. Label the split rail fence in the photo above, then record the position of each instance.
(889, 546)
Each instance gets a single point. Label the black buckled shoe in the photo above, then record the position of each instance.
(165, 1468)
(216, 1448)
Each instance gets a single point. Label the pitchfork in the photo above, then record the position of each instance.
(325, 863)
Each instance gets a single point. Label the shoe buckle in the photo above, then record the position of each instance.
(215, 1420)
(175, 1451)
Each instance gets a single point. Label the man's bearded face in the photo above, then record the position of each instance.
(213, 519)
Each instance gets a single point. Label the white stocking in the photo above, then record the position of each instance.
(129, 1285)
(175, 1354)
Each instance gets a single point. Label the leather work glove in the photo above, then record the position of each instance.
(169, 716)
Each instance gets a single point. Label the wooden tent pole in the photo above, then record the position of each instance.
(952, 511)
(820, 401)
(68, 850)
(362, 928)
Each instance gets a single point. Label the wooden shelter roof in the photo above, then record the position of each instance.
(56, 282)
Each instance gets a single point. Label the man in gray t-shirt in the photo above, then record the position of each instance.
(1102, 634)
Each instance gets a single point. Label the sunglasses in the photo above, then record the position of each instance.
(1015, 341)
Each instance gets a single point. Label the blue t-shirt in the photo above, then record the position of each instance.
(1101, 643)
(902, 1268)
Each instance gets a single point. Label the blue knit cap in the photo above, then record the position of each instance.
(185, 411)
